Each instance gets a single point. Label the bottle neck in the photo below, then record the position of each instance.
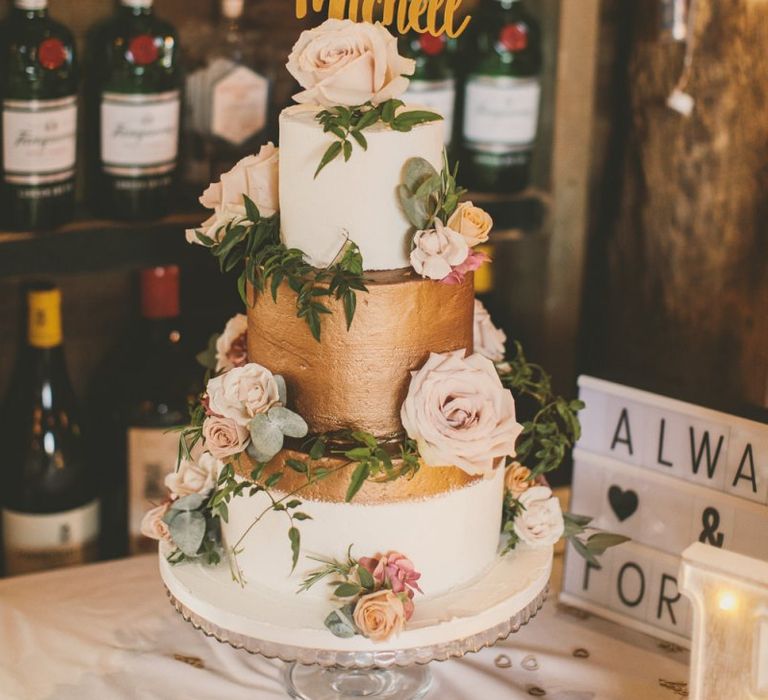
(136, 7)
(29, 9)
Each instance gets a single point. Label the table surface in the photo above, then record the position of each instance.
(108, 632)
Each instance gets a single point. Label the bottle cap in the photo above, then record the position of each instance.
(44, 316)
(31, 4)
(232, 9)
(160, 292)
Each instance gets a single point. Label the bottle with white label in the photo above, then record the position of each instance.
(135, 102)
(50, 508)
(38, 86)
(433, 83)
(138, 399)
(228, 97)
(501, 97)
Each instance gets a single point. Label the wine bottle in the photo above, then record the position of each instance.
(135, 103)
(50, 509)
(433, 83)
(142, 394)
(501, 97)
(227, 98)
(38, 83)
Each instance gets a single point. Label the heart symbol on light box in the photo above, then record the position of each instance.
(623, 503)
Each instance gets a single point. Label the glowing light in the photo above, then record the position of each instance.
(727, 602)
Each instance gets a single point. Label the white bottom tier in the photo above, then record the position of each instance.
(290, 625)
(451, 538)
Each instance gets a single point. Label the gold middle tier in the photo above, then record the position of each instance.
(359, 378)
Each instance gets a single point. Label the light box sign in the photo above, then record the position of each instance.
(667, 474)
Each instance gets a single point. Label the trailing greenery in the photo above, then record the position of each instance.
(375, 461)
(555, 427)
(426, 194)
(348, 123)
(254, 242)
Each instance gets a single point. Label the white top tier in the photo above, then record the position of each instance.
(356, 199)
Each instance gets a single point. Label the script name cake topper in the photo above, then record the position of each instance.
(421, 16)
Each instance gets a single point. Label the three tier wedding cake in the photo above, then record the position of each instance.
(358, 426)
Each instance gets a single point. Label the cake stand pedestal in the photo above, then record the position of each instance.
(323, 667)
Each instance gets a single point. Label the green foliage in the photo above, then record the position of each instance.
(426, 194)
(269, 430)
(348, 123)
(254, 242)
(341, 622)
(375, 460)
(555, 427)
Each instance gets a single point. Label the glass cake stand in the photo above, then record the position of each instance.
(319, 667)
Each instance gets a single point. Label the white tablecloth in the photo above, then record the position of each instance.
(107, 632)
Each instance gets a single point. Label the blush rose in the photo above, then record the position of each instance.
(231, 345)
(459, 413)
(342, 62)
(243, 392)
(540, 520)
(488, 340)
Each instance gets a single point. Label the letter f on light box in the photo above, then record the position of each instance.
(729, 593)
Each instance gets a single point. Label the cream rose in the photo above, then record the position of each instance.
(243, 392)
(472, 222)
(517, 479)
(153, 525)
(380, 615)
(436, 251)
(255, 176)
(540, 521)
(342, 62)
(194, 476)
(224, 437)
(459, 413)
(231, 347)
(488, 340)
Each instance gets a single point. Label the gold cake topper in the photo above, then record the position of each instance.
(418, 15)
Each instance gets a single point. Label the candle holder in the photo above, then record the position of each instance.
(729, 651)
(324, 667)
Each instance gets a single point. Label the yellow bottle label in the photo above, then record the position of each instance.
(484, 275)
(44, 323)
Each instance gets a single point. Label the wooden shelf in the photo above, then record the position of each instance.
(92, 245)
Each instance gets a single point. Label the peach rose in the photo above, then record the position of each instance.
(243, 392)
(153, 525)
(540, 521)
(472, 222)
(224, 437)
(380, 615)
(488, 340)
(255, 176)
(231, 346)
(517, 479)
(194, 476)
(342, 62)
(436, 251)
(459, 413)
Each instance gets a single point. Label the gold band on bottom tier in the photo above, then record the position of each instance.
(358, 378)
(426, 482)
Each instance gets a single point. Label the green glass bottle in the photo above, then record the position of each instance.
(135, 105)
(433, 83)
(501, 97)
(48, 493)
(38, 83)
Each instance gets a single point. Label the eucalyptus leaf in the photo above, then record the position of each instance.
(290, 423)
(193, 501)
(187, 530)
(282, 392)
(266, 438)
(601, 541)
(416, 171)
(341, 623)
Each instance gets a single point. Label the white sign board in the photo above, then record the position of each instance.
(666, 474)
